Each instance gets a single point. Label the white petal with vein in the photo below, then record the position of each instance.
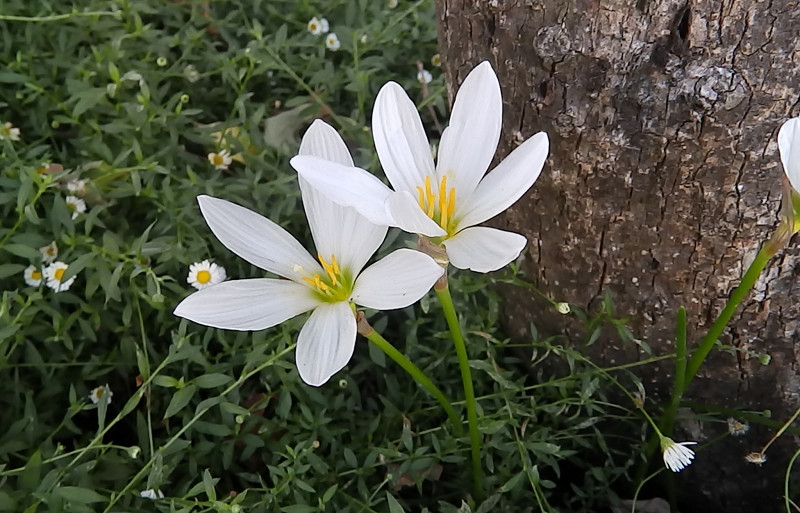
(326, 342)
(396, 281)
(483, 249)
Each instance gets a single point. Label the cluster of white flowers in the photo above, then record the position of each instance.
(320, 26)
(52, 275)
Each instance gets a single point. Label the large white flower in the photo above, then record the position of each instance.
(789, 146)
(327, 285)
(444, 202)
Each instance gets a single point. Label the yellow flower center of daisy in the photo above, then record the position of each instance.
(72, 206)
(36, 275)
(58, 274)
(333, 286)
(313, 26)
(218, 159)
(439, 204)
(203, 276)
(98, 393)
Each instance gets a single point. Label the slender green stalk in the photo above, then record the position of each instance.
(414, 371)
(466, 377)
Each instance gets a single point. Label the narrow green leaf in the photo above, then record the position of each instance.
(180, 399)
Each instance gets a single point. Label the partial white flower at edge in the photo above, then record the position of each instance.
(150, 493)
(445, 202)
(789, 147)
(677, 456)
(76, 205)
(326, 286)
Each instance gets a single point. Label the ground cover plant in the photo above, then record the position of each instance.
(114, 117)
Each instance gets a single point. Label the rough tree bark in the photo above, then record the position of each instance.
(662, 183)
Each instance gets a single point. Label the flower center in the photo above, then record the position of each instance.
(333, 286)
(36, 275)
(218, 159)
(203, 276)
(59, 273)
(72, 206)
(98, 393)
(439, 204)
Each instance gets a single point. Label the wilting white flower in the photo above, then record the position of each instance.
(424, 76)
(737, 427)
(49, 252)
(190, 73)
(76, 205)
(318, 26)
(77, 186)
(102, 393)
(445, 202)
(332, 42)
(54, 273)
(220, 160)
(205, 274)
(677, 456)
(32, 275)
(151, 494)
(789, 147)
(756, 458)
(7, 131)
(327, 285)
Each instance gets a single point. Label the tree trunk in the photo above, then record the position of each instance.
(663, 182)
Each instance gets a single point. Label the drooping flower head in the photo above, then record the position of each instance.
(443, 201)
(326, 285)
(677, 456)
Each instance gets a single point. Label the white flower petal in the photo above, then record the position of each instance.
(323, 141)
(247, 305)
(506, 183)
(337, 229)
(483, 249)
(347, 185)
(470, 140)
(326, 342)
(408, 215)
(677, 456)
(789, 146)
(256, 239)
(396, 281)
(400, 139)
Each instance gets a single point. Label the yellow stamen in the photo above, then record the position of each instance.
(440, 209)
(332, 269)
(59, 273)
(36, 275)
(203, 276)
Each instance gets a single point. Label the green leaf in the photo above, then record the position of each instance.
(208, 485)
(394, 506)
(80, 495)
(180, 399)
(212, 380)
(32, 474)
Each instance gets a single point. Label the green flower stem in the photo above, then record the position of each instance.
(443, 292)
(414, 371)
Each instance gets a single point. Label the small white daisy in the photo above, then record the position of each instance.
(7, 131)
(205, 274)
(436, 60)
(220, 160)
(318, 26)
(332, 42)
(49, 252)
(676, 455)
(101, 393)
(77, 205)
(54, 274)
(424, 76)
(77, 187)
(151, 494)
(32, 275)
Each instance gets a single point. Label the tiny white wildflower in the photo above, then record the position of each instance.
(191, 74)
(424, 76)
(315, 26)
(101, 393)
(49, 252)
(677, 456)
(756, 458)
(33, 276)
(436, 60)
(77, 187)
(76, 205)
(152, 494)
(220, 160)
(7, 131)
(736, 427)
(332, 42)
(324, 25)
(54, 273)
(205, 274)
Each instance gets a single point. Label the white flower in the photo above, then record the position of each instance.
(77, 205)
(7, 131)
(77, 187)
(205, 274)
(220, 160)
(756, 458)
(151, 494)
(676, 455)
(318, 26)
(49, 252)
(190, 73)
(789, 147)
(326, 286)
(391, 4)
(54, 273)
(424, 76)
(332, 42)
(101, 393)
(436, 60)
(32, 275)
(447, 201)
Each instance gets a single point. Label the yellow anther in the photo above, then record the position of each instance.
(332, 269)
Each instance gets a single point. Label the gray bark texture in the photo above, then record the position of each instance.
(663, 182)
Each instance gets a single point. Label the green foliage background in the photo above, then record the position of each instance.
(219, 420)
